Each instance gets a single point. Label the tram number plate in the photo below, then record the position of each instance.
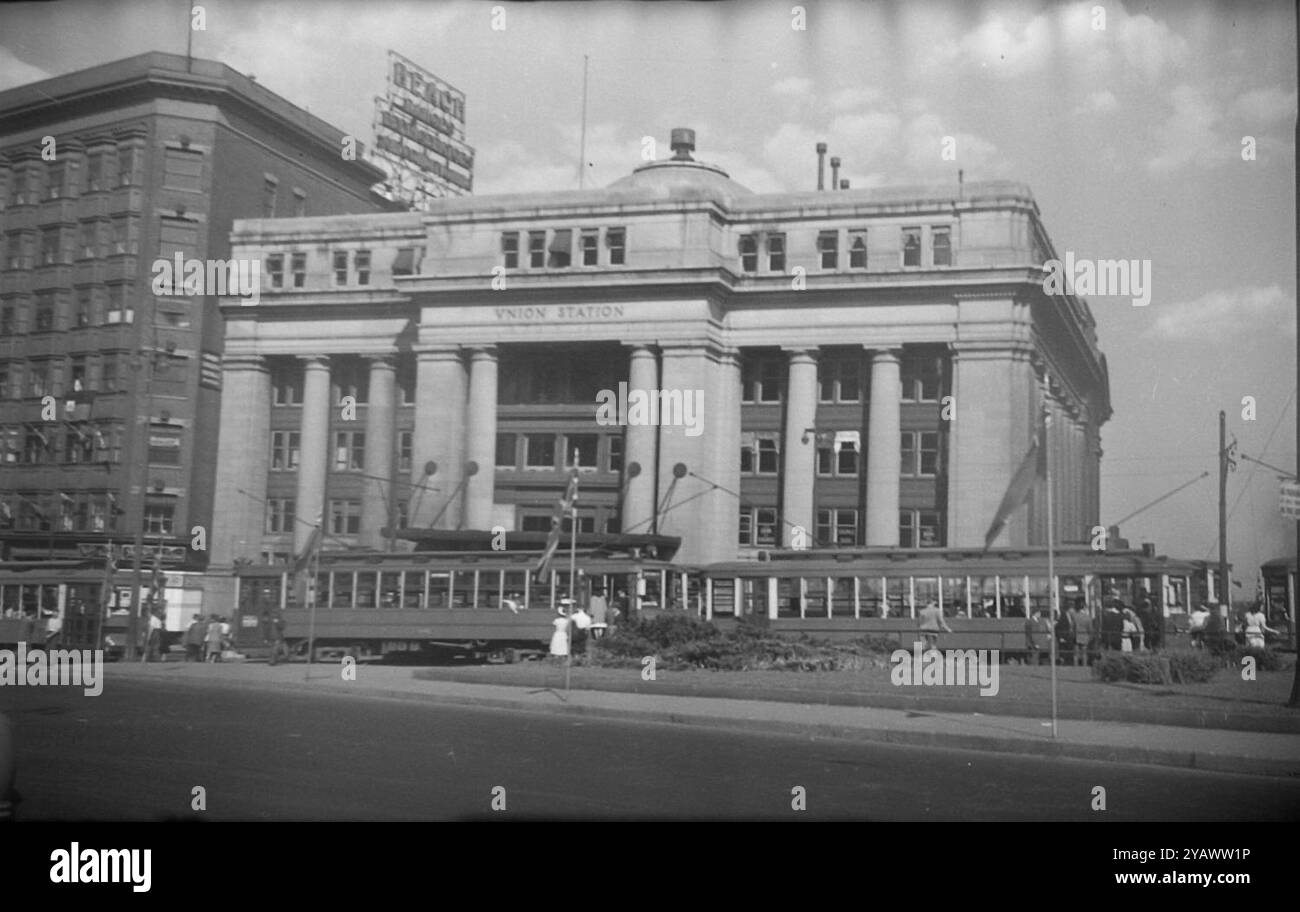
(396, 646)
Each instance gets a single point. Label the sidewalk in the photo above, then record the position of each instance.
(1254, 753)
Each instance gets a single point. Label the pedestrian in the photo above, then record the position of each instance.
(560, 638)
(278, 646)
(1256, 627)
(1133, 630)
(1151, 622)
(194, 639)
(1064, 636)
(1112, 626)
(212, 639)
(932, 623)
(1196, 622)
(1035, 627)
(599, 613)
(153, 642)
(1081, 624)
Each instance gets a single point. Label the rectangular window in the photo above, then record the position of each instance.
(78, 375)
(340, 267)
(536, 249)
(749, 253)
(911, 246)
(165, 448)
(89, 243)
(361, 261)
(127, 157)
(177, 235)
(345, 517)
(771, 374)
(941, 246)
(18, 188)
(44, 311)
(349, 451)
(120, 308)
(561, 249)
(840, 378)
(616, 241)
(49, 253)
(615, 454)
(769, 456)
(776, 252)
(38, 379)
(928, 529)
(95, 172)
(54, 180)
(405, 450)
(275, 269)
(539, 451)
(907, 453)
(857, 250)
(159, 519)
(510, 249)
(85, 308)
(921, 378)
(182, 169)
(906, 529)
(507, 451)
(828, 246)
(126, 240)
(765, 531)
(590, 247)
(298, 264)
(928, 451)
(285, 450)
(585, 445)
(14, 258)
(280, 514)
(847, 458)
(108, 373)
(8, 321)
(286, 385)
(746, 531)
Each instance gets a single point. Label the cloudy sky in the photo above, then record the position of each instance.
(1130, 135)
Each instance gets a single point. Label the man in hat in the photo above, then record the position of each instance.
(931, 623)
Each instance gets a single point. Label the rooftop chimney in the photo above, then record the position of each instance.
(835, 172)
(821, 166)
(682, 143)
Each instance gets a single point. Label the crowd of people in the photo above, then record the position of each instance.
(207, 640)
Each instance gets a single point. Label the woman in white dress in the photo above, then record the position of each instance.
(1256, 627)
(560, 638)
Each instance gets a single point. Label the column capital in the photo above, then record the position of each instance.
(315, 362)
(801, 352)
(429, 353)
(482, 352)
(382, 362)
(886, 353)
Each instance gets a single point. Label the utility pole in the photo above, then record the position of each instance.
(1226, 463)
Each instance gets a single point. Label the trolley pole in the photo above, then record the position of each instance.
(1225, 462)
(1051, 557)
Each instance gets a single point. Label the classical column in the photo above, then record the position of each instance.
(640, 447)
(481, 438)
(381, 412)
(698, 499)
(243, 459)
(440, 390)
(884, 450)
(799, 449)
(314, 441)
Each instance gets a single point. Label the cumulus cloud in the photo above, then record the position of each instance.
(1189, 135)
(1249, 310)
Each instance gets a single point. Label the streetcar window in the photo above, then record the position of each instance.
(323, 590)
(724, 597)
(390, 589)
(788, 596)
(366, 589)
(954, 596)
(516, 584)
(1012, 595)
(1040, 595)
(413, 589)
(343, 583)
(841, 597)
(814, 588)
(870, 596)
(439, 590)
(753, 594)
(984, 596)
(462, 588)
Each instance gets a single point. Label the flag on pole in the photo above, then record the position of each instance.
(1032, 468)
(156, 580)
(562, 508)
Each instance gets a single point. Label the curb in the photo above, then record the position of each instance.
(1184, 759)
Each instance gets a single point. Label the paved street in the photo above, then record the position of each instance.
(137, 751)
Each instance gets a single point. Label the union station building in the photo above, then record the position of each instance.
(869, 366)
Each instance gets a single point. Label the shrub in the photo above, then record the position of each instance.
(1192, 666)
(1265, 659)
(670, 629)
(1138, 668)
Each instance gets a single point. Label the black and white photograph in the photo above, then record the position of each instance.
(624, 411)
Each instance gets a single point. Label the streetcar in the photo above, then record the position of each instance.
(839, 593)
(1280, 594)
(57, 604)
(454, 593)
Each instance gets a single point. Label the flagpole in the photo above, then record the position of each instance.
(312, 583)
(573, 562)
(1051, 556)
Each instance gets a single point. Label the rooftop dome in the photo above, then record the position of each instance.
(680, 177)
